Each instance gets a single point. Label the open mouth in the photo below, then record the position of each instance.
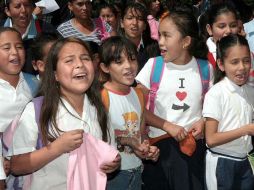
(15, 61)
(80, 76)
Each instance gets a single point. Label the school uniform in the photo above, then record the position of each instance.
(54, 174)
(178, 100)
(227, 166)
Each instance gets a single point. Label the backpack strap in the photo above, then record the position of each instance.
(33, 83)
(37, 107)
(204, 71)
(155, 79)
(140, 98)
(105, 98)
(211, 59)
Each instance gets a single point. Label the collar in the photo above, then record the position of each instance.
(141, 44)
(211, 45)
(232, 87)
(21, 78)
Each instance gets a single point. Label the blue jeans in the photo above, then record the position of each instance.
(126, 180)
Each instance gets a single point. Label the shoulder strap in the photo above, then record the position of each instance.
(204, 71)
(211, 59)
(33, 83)
(37, 107)
(105, 98)
(155, 79)
(140, 98)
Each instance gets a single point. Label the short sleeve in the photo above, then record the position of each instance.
(143, 76)
(212, 104)
(26, 134)
(2, 173)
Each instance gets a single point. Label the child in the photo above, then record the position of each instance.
(178, 100)
(17, 88)
(222, 21)
(228, 109)
(71, 105)
(119, 62)
(40, 49)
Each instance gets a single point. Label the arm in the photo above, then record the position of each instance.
(30, 162)
(215, 138)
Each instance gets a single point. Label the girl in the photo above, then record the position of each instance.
(228, 109)
(178, 100)
(15, 86)
(221, 21)
(109, 14)
(134, 26)
(119, 63)
(70, 106)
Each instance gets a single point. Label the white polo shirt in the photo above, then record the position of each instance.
(232, 106)
(179, 97)
(54, 174)
(211, 47)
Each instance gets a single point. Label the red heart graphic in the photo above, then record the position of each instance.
(181, 95)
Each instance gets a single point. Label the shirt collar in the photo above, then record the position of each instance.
(232, 86)
(211, 45)
(141, 44)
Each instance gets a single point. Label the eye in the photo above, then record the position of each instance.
(19, 46)
(85, 58)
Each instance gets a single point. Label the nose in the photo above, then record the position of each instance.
(22, 8)
(228, 30)
(13, 50)
(134, 20)
(79, 63)
(161, 40)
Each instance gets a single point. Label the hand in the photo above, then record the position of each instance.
(140, 149)
(176, 131)
(197, 129)
(7, 166)
(112, 166)
(248, 129)
(69, 141)
(153, 153)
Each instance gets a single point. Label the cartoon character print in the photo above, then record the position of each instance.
(131, 126)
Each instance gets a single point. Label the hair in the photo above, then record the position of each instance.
(222, 49)
(7, 3)
(105, 5)
(112, 48)
(40, 42)
(187, 25)
(51, 91)
(148, 5)
(10, 29)
(219, 9)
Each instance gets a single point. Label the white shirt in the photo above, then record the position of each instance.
(232, 106)
(54, 174)
(124, 117)
(211, 47)
(180, 87)
(249, 29)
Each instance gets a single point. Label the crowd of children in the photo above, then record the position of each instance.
(127, 95)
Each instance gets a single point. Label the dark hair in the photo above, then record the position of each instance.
(39, 43)
(110, 6)
(148, 5)
(187, 25)
(10, 29)
(217, 9)
(222, 47)
(112, 48)
(52, 95)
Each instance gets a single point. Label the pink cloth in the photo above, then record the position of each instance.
(154, 27)
(84, 164)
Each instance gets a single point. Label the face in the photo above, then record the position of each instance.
(108, 16)
(12, 54)
(133, 24)
(20, 11)
(74, 71)
(81, 9)
(237, 64)
(155, 5)
(123, 72)
(172, 44)
(224, 25)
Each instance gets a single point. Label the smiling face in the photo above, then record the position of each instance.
(236, 64)
(12, 54)
(74, 70)
(224, 25)
(20, 12)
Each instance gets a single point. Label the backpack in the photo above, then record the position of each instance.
(157, 72)
(105, 98)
